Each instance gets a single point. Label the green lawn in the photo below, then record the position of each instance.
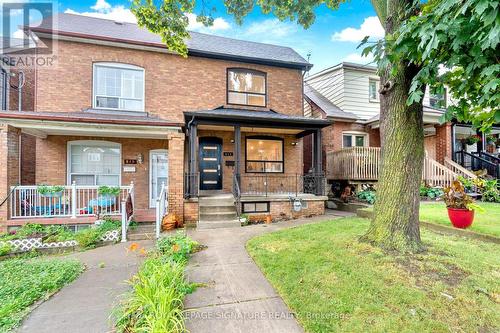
(487, 222)
(336, 284)
(25, 281)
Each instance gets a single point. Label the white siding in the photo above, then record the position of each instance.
(330, 85)
(356, 93)
(348, 88)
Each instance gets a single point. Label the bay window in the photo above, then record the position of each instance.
(94, 163)
(118, 86)
(264, 154)
(246, 87)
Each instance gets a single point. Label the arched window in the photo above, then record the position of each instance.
(94, 162)
(118, 87)
(246, 87)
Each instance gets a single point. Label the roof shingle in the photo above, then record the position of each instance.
(199, 44)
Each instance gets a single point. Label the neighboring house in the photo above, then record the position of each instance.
(221, 129)
(348, 95)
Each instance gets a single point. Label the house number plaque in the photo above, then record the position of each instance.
(129, 161)
(228, 153)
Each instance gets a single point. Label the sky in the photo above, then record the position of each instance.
(333, 37)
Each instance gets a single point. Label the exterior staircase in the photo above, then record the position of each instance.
(217, 211)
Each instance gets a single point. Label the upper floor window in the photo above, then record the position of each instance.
(437, 99)
(246, 87)
(373, 90)
(118, 87)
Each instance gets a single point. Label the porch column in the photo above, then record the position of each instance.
(318, 156)
(237, 152)
(9, 168)
(176, 175)
(193, 160)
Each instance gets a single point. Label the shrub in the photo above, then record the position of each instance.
(88, 238)
(5, 248)
(178, 246)
(368, 196)
(490, 191)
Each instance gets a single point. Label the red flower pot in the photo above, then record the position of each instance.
(461, 218)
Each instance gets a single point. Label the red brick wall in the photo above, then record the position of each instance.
(443, 142)
(292, 158)
(173, 84)
(28, 159)
(27, 92)
(51, 163)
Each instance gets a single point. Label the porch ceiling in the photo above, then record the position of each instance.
(41, 124)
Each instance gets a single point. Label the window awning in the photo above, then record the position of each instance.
(84, 123)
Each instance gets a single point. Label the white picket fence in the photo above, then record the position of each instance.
(27, 244)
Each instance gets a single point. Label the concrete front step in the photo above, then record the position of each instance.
(215, 216)
(141, 236)
(217, 209)
(218, 202)
(218, 224)
(142, 229)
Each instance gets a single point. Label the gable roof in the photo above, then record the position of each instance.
(205, 45)
(348, 65)
(331, 110)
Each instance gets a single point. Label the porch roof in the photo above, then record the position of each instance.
(90, 123)
(253, 118)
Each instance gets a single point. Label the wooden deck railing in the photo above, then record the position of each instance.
(355, 163)
(363, 164)
(458, 169)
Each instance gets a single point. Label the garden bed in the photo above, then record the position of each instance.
(25, 281)
(37, 237)
(155, 303)
(336, 284)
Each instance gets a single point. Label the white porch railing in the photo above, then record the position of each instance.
(161, 208)
(73, 201)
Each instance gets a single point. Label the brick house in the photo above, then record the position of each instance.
(221, 128)
(348, 95)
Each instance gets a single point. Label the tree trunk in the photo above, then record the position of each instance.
(395, 223)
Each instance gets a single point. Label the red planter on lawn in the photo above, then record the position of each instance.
(461, 218)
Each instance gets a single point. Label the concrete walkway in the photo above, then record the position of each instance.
(85, 305)
(236, 297)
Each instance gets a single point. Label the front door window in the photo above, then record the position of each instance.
(159, 173)
(210, 152)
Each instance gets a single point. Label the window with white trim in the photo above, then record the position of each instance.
(118, 87)
(373, 90)
(94, 163)
(354, 140)
(246, 87)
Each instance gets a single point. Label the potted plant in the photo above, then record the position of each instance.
(460, 205)
(50, 191)
(472, 139)
(108, 192)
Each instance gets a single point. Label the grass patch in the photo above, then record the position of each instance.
(487, 222)
(155, 303)
(335, 284)
(25, 281)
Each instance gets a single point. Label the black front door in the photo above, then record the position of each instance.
(210, 157)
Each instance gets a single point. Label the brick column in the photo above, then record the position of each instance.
(176, 175)
(9, 168)
(443, 142)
